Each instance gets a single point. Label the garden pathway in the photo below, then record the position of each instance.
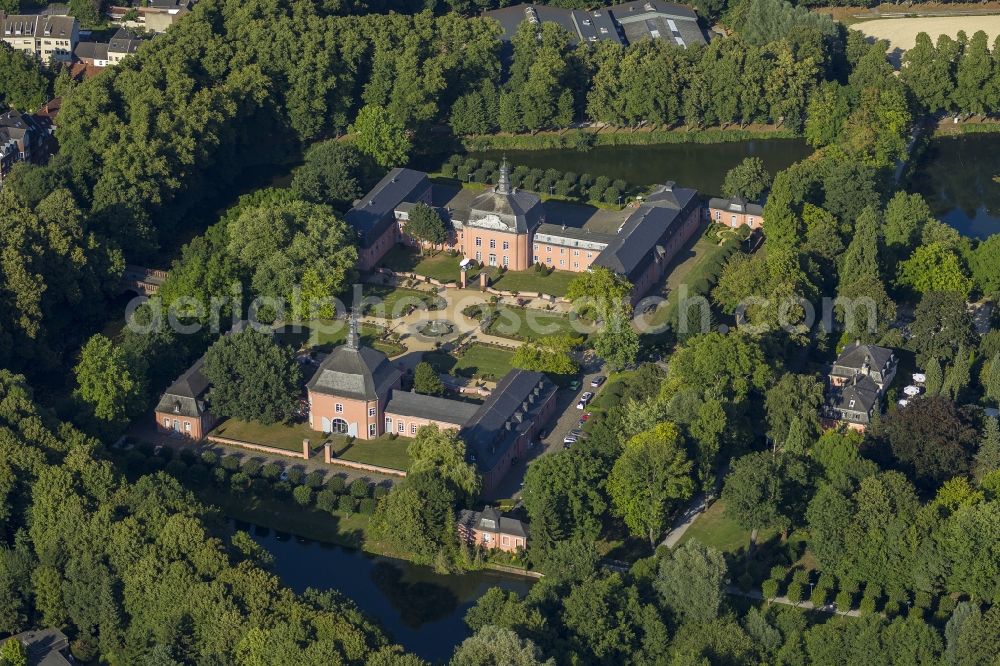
(805, 605)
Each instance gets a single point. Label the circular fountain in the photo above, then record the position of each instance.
(436, 328)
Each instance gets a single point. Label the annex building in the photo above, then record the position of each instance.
(507, 227)
(356, 391)
(622, 24)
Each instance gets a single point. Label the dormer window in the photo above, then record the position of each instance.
(851, 405)
(489, 524)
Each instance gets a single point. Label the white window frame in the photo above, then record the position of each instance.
(371, 411)
(338, 408)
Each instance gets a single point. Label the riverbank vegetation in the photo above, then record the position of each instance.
(152, 585)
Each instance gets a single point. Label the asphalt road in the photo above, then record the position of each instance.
(567, 419)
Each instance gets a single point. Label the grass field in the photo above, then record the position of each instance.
(395, 302)
(325, 334)
(441, 266)
(383, 451)
(478, 360)
(278, 435)
(555, 283)
(530, 324)
(714, 529)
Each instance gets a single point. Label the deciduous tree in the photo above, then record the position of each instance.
(691, 582)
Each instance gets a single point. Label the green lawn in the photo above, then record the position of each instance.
(278, 435)
(395, 302)
(383, 451)
(478, 359)
(530, 324)
(555, 283)
(325, 334)
(441, 266)
(714, 529)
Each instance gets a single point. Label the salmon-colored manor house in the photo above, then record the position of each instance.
(506, 227)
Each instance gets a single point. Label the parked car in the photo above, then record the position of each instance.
(587, 397)
(570, 439)
(574, 385)
(597, 381)
(586, 417)
(581, 404)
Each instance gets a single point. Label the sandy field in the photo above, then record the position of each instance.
(902, 32)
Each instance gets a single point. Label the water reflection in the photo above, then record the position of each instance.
(956, 176)
(420, 609)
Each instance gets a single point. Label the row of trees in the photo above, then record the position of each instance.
(954, 75)
(153, 585)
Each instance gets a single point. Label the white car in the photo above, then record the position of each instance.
(582, 404)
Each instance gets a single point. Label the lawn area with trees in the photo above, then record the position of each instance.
(474, 360)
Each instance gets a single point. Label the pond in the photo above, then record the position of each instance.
(702, 166)
(956, 176)
(421, 610)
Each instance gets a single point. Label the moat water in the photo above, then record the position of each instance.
(957, 177)
(421, 610)
(702, 166)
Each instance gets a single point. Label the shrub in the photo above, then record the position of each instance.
(230, 463)
(282, 488)
(239, 482)
(346, 503)
(796, 592)
(366, 506)
(303, 495)
(619, 184)
(844, 600)
(380, 492)
(602, 183)
(745, 582)
(563, 188)
(296, 476)
(271, 470)
(326, 500)
(585, 180)
(770, 588)
(779, 573)
(891, 609)
(220, 476)
(946, 605)
(260, 486)
(819, 596)
(455, 159)
(867, 605)
(922, 600)
(314, 480)
(471, 163)
(611, 195)
(849, 585)
(84, 649)
(177, 469)
(448, 170)
(801, 576)
(826, 581)
(462, 172)
(336, 484)
(359, 488)
(480, 175)
(252, 467)
(188, 456)
(209, 458)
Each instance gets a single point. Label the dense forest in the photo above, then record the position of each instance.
(901, 524)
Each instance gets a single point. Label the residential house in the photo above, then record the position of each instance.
(44, 647)
(856, 383)
(50, 38)
(20, 140)
(122, 44)
(491, 530)
(736, 212)
(94, 54)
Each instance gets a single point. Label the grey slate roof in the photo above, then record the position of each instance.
(373, 213)
(124, 41)
(860, 395)
(647, 229)
(511, 17)
(45, 647)
(362, 373)
(186, 396)
(407, 403)
(474, 520)
(571, 236)
(35, 25)
(855, 355)
(518, 211)
(486, 435)
(655, 19)
(736, 205)
(91, 51)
